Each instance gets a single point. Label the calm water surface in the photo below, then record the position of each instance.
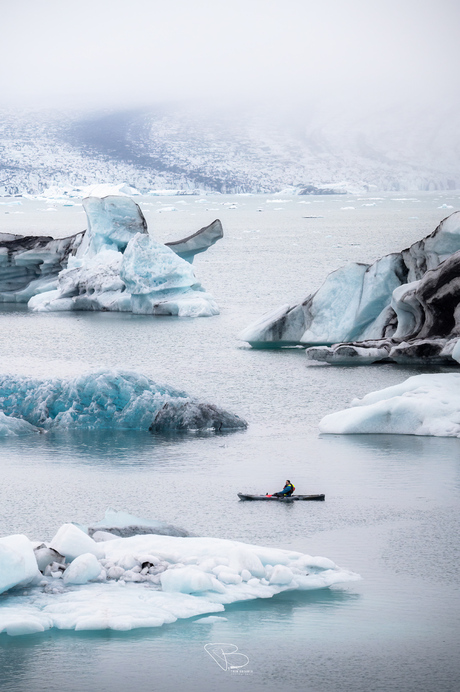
(391, 510)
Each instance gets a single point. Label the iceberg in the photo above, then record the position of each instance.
(403, 307)
(152, 580)
(108, 399)
(123, 525)
(422, 405)
(114, 265)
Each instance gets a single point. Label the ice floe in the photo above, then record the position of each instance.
(422, 405)
(105, 399)
(145, 580)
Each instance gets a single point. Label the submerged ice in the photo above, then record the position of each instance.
(115, 265)
(105, 399)
(144, 580)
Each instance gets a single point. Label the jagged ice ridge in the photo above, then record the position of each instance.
(105, 399)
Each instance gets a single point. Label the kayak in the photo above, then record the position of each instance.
(292, 498)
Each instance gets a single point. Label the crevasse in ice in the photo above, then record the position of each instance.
(145, 580)
(105, 399)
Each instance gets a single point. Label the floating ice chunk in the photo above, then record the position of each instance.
(211, 619)
(18, 566)
(11, 427)
(83, 569)
(71, 542)
(109, 399)
(353, 304)
(422, 405)
(123, 524)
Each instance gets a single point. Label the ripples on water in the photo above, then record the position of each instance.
(391, 510)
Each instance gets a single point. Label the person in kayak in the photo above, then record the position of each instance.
(287, 490)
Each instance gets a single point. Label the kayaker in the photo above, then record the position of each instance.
(287, 490)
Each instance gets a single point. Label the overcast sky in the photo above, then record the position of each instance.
(112, 53)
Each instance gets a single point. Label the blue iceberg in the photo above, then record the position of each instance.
(108, 399)
(115, 265)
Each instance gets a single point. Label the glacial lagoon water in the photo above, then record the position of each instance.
(392, 502)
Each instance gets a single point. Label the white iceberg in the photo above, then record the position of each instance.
(151, 580)
(108, 399)
(422, 405)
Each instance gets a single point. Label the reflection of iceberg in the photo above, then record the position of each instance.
(422, 405)
(403, 307)
(146, 581)
(108, 399)
(115, 265)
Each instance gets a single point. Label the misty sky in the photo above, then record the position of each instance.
(108, 53)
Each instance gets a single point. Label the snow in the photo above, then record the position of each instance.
(422, 405)
(18, 566)
(151, 580)
(107, 399)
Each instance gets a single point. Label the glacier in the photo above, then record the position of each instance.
(106, 399)
(403, 307)
(114, 265)
(144, 580)
(422, 405)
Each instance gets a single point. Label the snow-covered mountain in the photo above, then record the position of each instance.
(245, 151)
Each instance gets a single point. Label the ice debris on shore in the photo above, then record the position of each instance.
(105, 399)
(422, 405)
(115, 265)
(404, 307)
(143, 580)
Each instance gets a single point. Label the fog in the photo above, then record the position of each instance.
(362, 54)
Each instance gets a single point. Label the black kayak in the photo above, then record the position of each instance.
(292, 498)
